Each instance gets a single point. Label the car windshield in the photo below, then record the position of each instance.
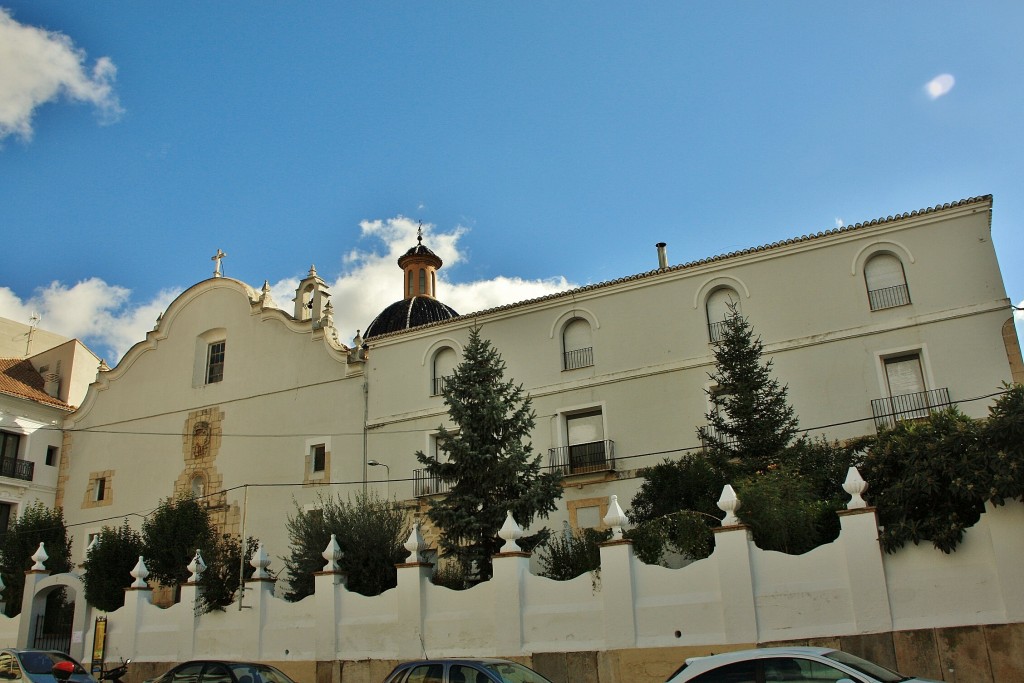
(258, 673)
(42, 662)
(865, 667)
(510, 672)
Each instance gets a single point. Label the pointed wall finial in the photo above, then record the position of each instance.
(855, 485)
(39, 557)
(140, 573)
(332, 553)
(415, 545)
(511, 532)
(615, 518)
(259, 561)
(729, 503)
(197, 567)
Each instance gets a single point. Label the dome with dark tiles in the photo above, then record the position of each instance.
(419, 307)
(413, 312)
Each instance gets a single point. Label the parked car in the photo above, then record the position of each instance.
(819, 664)
(210, 671)
(463, 671)
(35, 666)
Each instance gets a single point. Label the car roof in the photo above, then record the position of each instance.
(446, 660)
(699, 664)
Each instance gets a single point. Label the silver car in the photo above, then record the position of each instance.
(795, 664)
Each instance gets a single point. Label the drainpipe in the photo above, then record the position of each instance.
(366, 418)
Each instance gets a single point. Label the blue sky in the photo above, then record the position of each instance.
(542, 145)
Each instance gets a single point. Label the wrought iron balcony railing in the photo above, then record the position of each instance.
(17, 469)
(888, 411)
(580, 358)
(425, 484)
(716, 331)
(438, 385)
(727, 439)
(596, 456)
(888, 297)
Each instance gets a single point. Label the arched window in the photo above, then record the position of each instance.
(722, 303)
(423, 280)
(410, 284)
(577, 345)
(886, 282)
(444, 364)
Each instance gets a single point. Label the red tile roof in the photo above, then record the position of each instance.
(19, 378)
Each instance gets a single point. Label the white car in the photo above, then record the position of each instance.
(819, 664)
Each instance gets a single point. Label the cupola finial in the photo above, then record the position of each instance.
(419, 233)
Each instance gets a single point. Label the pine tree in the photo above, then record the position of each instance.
(750, 423)
(487, 461)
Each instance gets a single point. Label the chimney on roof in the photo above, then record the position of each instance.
(662, 256)
(52, 384)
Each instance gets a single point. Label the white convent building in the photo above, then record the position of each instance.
(865, 324)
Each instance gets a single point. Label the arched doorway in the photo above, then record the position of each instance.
(54, 614)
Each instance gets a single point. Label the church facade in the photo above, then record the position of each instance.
(260, 411)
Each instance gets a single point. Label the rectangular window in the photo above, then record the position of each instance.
(586, 449)
(9, 445)
(52, 452)
(215, 362)
(908, 396)
(100, 489)
(6, 510)
(319, 458)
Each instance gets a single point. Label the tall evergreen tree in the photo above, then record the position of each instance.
(487, 460)
(750, 422)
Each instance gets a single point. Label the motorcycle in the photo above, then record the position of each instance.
(117, 673)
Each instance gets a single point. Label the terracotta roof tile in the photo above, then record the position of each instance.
(19, 378)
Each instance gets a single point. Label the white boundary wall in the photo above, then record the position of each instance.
(740, 594)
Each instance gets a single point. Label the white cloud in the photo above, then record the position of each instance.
(100, 314)
(940, 85)
(38, 66)
(109, 322)
(371, 280)
(840, 223)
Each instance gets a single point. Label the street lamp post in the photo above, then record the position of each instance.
(375, 463)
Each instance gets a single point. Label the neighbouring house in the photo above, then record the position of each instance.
(43, 376)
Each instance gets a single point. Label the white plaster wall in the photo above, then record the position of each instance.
(284, 384)
(804, 596)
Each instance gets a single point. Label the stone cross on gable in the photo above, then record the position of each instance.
(217, 257)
